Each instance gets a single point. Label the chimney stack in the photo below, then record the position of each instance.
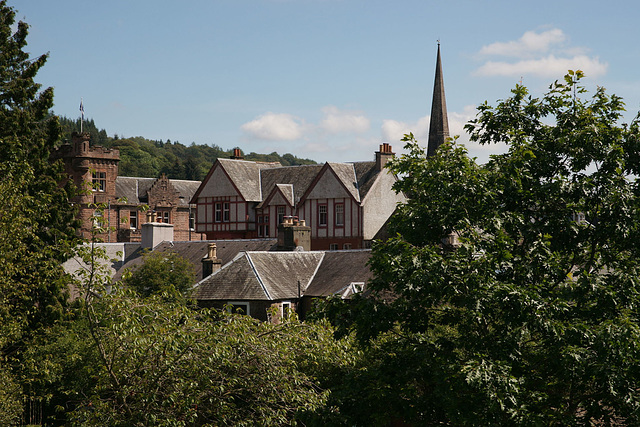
(384, 155)
(237, 154)
(294, 234)
(154, 233)
(211, 263)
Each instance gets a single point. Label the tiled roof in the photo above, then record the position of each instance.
(338, 270)
(300, 177)
(246, 176)
(260, 276)
(274, 275)
(134, 189)
(366, 174)
(346, 174)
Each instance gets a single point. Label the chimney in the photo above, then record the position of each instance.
(237, 154)
(383, 156)
(294, 234)
(211, 263)
(154, 233)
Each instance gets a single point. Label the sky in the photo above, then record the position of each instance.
(328, 80)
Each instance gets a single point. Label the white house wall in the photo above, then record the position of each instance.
(379, 204)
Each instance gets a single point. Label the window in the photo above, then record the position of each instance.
(333, 247)
(322, 215)
(99, 181)
(339, 208)
(263, 225)
(163, 216)
(192, 220)
(346, 246)
(286, 310)
(218, 212)
(133, 219)
(238, 307)
(280, 211)
(226, 210)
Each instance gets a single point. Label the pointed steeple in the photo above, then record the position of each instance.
(439, 125)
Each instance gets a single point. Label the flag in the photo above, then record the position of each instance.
(81, 107)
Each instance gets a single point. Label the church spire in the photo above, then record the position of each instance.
(439, 125)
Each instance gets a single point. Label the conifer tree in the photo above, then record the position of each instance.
(37, 225)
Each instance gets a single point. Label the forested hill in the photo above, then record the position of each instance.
(147, 158)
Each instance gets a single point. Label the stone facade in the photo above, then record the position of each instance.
(123, 201)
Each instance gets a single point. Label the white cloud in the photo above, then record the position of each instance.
(338, 121)
(275, 126)
(539, 54)
(550, 66)
(530, 43)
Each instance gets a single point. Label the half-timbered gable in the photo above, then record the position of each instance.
(243, 199)
(331, 207)
(227, 198)
(282, 189)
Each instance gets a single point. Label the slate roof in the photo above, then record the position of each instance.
(135, 189)
(301, 177)
(194, 251)
(260, 276)
(246, 176)
(338, 270)
(346, 174)
(366, 174)
(274, 276)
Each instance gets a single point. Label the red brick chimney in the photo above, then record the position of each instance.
(384, 155)
(237, 154)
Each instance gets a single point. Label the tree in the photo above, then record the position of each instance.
(510, 292)
(37, 224)
(161, 273)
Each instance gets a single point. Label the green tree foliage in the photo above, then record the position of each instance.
(162, 273)
(510, 293)
(132, 361)
(37, 225)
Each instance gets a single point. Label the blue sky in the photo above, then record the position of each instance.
(328, 80)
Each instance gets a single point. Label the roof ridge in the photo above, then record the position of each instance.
(255, 271)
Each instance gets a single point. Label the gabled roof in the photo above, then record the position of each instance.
(274, 276)
(135, 189)
(347, 176)
(194, 251)
(260, 276)
(300, 177)
(366, 174)
(246, 176)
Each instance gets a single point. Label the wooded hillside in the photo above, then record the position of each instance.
(143, 157)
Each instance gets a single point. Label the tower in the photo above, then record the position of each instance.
(439, 125)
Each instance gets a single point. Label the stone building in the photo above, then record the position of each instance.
(123, 201)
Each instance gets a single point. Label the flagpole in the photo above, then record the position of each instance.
(81, 115)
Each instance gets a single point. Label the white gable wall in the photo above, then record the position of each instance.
(379, 204)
